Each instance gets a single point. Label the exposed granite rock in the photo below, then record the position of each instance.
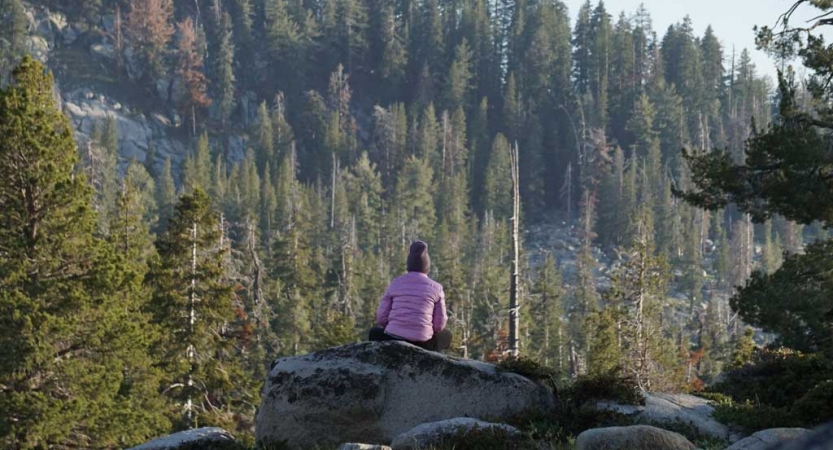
(372, 392)
(638, 437)
(429, 435)
(671, 409)
(767, 439)
(190, 437)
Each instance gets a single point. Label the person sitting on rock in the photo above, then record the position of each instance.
(413, 307)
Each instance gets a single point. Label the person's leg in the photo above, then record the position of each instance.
(439, 342)
(443, 340)
(377, 334)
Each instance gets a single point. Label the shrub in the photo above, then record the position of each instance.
(528, 368)
(779, 388)
(754, 417)
(776, 378)
(614, 385)
(816, 406)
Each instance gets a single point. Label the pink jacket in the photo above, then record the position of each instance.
(413, 308)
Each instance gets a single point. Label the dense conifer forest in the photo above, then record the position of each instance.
(140, 295)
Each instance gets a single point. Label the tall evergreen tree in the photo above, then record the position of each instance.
(74, 370)
(193, 306)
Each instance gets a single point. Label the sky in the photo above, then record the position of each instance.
(732, 20)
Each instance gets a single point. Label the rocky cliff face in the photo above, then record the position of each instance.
(82, 60)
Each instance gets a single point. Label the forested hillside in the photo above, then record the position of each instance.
(307, 143)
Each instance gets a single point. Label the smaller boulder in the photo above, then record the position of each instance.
(434, 433)
(352, 446)
(671, 409)
(638, 437)
(766, 439)
(820, 438)
(188, 437)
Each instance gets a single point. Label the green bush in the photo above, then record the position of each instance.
(575, 413)
(816, 406)
(776, 378)
(614, 386)
(754, 417)
(779, 388)
(528, 368)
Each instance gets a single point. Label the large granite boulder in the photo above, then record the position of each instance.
(674, 409)
(638, 437)
(372, 392)
(432, 435)
(189, 438)
(768, 439)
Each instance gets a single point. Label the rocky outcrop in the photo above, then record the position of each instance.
(188, 437)
(431, 435)
(85, 108)
(639, 437)
(768, 439)
(674, 409)
(820, 438)
(372, 392)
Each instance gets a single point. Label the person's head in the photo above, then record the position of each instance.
(418, 259)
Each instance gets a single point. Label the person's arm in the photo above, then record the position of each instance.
(383, 312)
(440, 314)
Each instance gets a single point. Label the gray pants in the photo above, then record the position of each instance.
(439, 342)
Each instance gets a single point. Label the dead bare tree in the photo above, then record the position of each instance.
(514, 306)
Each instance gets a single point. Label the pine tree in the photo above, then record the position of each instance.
(394, 55)
(512, 121)
(197, 169)
(625, 81)
(415, 211)
(639, 286)
(149, 26)
(165, 194)
(193, 306)
(264, 137)
(224, 79)
(546, 297)
(600, 33)
(498, 181)
(605, 352)
(74, 364)
(458, 83)
(243, 33)
(744, 350)
(583, 49)
(190, 71)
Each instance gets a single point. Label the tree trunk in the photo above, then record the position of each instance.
(514, 307)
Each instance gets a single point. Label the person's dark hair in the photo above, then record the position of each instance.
(418, 259)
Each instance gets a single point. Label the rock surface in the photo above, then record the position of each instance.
(177, 440)
(432, 434)
(674, 409)
(372, 392)
(136, 132)
(820, 438)
(638, 437)
(767, 439)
